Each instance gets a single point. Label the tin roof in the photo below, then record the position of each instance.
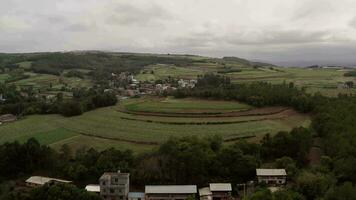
(225, 187)
(40, 180)
(271, 172)
(171, 189)
(92, 188)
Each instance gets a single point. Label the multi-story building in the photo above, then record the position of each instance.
(114, 185)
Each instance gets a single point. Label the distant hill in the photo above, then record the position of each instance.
(246, 62)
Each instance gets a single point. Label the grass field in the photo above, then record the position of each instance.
(169, 105)
(107, 127)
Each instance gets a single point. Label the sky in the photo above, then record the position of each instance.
(279, 31)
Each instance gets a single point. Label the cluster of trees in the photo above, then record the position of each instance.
(333, 122)
(83, 100)
(188, 160)
(257, 94)
(350, 73)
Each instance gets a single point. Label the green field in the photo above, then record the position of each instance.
(107, 127)
(321, 80)
(169, 105)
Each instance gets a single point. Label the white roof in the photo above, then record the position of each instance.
(205, 191)
(220, 187)
(40, 180)
(92, 188)
(271, 172)
(171, 189)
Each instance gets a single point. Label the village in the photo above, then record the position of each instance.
(125, 85)
(116, 186)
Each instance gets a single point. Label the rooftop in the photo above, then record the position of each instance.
(205, 191)
(225, 187)
(271, 172)
(171, 189)
(92, 188)
(40, 180)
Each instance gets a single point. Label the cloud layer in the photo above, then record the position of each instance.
(273, 30)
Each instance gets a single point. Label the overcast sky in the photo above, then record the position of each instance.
(272, 30)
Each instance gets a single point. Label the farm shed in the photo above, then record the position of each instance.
(37, 181)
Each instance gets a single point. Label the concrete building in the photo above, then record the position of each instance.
(220, 191)
(37, 181)
(136, 196)
(272, 176)
(170, 192)
(114, 185)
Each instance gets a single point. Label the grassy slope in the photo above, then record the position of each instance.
(56, 130)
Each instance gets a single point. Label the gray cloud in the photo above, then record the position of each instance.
(353, 23)
(128, 14)
(276, 30)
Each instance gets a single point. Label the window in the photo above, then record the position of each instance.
(103, 183)
(112, 190)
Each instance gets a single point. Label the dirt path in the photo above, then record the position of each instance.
(315, 152)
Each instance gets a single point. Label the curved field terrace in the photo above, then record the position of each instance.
(148, 122)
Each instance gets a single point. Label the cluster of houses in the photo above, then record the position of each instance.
(126, 85)
(116, 186)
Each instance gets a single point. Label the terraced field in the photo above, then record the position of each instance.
(109, 127)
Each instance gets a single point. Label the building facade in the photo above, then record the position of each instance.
(272, 176)
(114, 185)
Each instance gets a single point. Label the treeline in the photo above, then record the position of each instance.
(83, 100)
(188, 160)
(56, 63)
(257, 94)
(333, 121)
